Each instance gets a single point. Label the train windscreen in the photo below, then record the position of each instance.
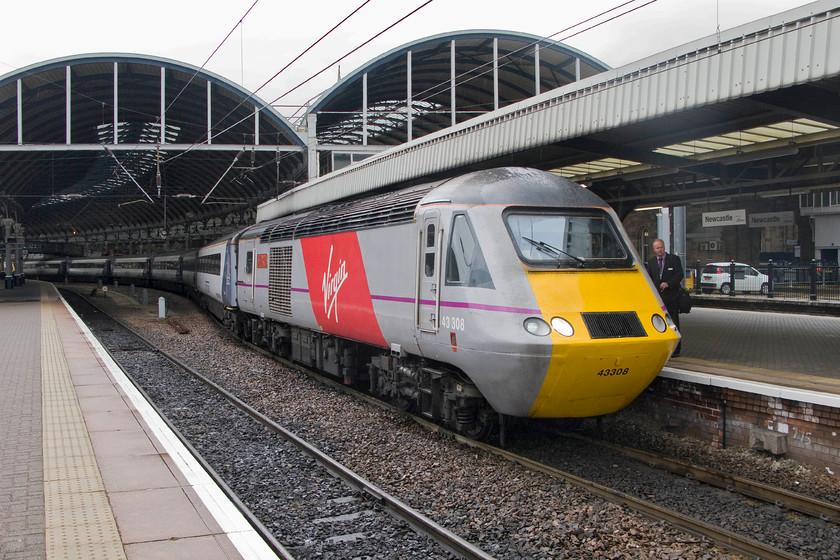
(567, 240)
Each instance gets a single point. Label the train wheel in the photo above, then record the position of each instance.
(481, 427)
(403, 404)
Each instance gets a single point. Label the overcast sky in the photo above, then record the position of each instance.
(274, 32)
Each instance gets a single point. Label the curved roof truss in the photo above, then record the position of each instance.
(440, 81)
(108, 142)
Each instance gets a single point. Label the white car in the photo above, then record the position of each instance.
(715, 276)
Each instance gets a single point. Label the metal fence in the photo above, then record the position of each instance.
(807, 282)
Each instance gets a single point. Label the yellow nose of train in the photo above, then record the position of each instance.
(609, 341)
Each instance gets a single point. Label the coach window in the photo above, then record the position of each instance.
(465, 264)
(430, 251)
(249, 262)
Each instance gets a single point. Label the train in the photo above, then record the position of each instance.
(502, 292)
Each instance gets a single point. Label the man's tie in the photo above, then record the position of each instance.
(661, 266)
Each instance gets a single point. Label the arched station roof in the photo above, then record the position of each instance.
(435, 82)
(180, 131)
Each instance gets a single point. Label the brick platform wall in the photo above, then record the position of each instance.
(726, 417)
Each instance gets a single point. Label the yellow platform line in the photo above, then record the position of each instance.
(78, 520)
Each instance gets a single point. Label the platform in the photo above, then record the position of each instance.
(89, 471)
(786, 355)
(87, 468)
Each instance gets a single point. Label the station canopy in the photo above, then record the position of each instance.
(117, 143)
(439, 81)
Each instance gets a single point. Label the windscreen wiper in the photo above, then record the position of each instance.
(553, 251)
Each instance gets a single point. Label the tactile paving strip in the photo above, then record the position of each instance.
(78, 518)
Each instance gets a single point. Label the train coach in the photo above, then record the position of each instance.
(89, 269)
(134, 269)
(509, 291)
(53, 270)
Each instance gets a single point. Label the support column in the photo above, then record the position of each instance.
(452, 82)
(68, 114)
(364, 109)
(663, 227)
(409, 100)
(495, 73)
(162, 105)
(20, 112)
(679, 235)
(312, 145)
(116, 103)
(209, 113)
(256, 126)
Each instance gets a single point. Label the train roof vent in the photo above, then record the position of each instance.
(613, 324)
(378, 211)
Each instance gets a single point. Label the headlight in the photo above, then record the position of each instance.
(536, 326)
(659, 323)
(562, 326)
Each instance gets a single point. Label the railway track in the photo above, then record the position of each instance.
(721, 536)
(345, 517)
(826, 511)
(731, 540)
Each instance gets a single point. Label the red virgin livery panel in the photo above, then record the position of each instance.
(338, 288)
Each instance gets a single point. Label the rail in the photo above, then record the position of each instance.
(422, 524)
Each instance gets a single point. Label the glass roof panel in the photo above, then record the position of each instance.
(777, 131)
(757, 135)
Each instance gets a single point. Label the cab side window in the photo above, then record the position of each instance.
(430, 251)
(465, 264)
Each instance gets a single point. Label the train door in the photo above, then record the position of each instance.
(427, 314)
(227, 263)
(250, 272)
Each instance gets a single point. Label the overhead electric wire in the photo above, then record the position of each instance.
(203, 64)
(605, 21)
(306, 50)
(510, 56)
(317, 73)
(188, 82)
(411, 13)
(158, 118)
(310, 47)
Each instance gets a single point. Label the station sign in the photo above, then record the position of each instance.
(772, 219)
(725, 218)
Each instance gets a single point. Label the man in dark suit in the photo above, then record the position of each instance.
(666, 271)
